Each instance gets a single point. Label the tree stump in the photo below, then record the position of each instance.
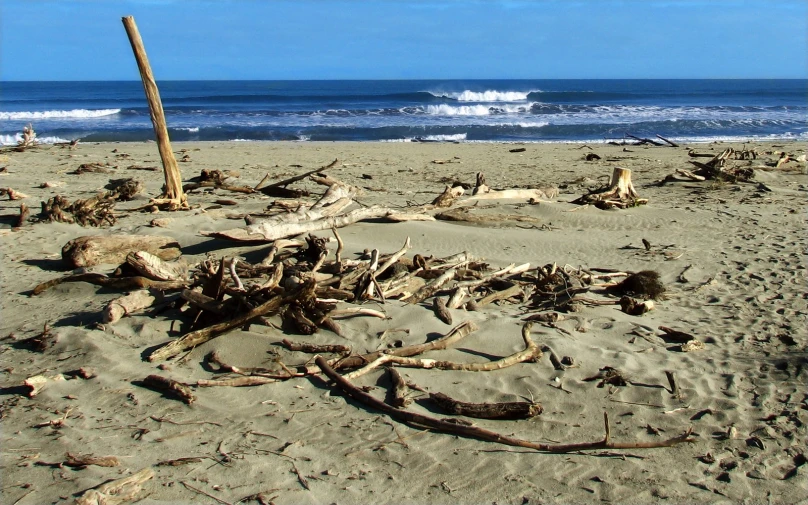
(620, 193)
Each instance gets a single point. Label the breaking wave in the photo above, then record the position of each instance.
(60, 114)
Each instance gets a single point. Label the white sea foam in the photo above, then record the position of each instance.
(190, 129)
(12, 140)
(58, 114)
(473, 110)
(489, 96)
(446, 138)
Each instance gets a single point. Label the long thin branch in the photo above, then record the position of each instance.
(431, 423)
(530, 352)
(454, 335)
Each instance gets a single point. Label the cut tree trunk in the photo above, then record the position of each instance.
(620, 193)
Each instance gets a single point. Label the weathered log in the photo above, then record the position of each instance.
(269, 231)
(170, 387)
(117, 491)
(439, 307)
(153, 267)
(82, 460)
(547, 192)
(504, 410)
(113, 249)
(125, 305)
(422, 421)
(173, 197)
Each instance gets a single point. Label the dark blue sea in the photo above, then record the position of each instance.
(453, 110)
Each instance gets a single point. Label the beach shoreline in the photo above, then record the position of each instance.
(731, 256)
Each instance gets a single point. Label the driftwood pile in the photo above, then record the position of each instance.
(301, 287)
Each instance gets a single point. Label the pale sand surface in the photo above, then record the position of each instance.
(749, 239)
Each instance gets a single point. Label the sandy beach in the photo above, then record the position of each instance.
(731, 257)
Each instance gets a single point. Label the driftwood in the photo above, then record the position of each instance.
(439, 307)
(448, 197)
(531, 352)
(83, 460)
(153, 267)
(170, 387)
(99, 249)
(201, 336)
(95, 211)
(480, 187)
(125, 305)
(273, 230)
(620, 193)
(13, 194)
(505, 410)
(452, 337)
(173, 198)
(398, 393)
(269, 187)
(430, 423)
(546, 192)
(717, 168)
(117, 283)
(118, 491)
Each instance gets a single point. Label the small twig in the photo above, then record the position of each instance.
(192, 488)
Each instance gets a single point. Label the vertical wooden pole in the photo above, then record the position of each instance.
(174, 196)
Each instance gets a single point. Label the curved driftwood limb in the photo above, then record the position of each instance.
(354, 312)
(422, 421)
(504, 410)
(120, 283)
(531, 352)
(455, 334)
(392, 259)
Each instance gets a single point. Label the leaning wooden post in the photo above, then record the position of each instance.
(173, 198)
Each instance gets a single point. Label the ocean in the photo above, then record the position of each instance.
(412, 110)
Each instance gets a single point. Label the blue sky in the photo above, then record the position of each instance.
(399, 39)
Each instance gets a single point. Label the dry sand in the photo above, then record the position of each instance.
(732, 257)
